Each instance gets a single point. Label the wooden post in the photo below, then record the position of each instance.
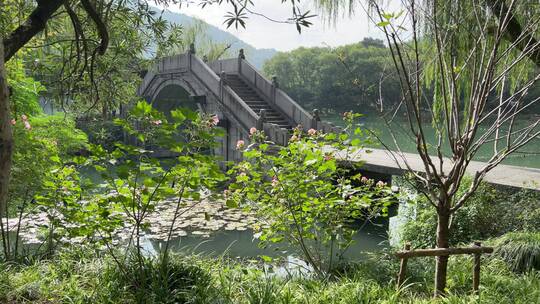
(403, 267)
(476, 269)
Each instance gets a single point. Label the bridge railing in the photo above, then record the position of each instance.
(327, 127)
(275, 95)
(224, 65)
(275, 134)
(228, 97)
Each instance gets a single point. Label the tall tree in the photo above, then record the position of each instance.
(87, 44)
(6, 137)
(15, 39)
(481, 58)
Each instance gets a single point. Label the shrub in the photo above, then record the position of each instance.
(520, 250)
(61, 130)
(38, 151)
(305, 199)
(24, 90)
(172, 281)
(101, 132)
(490, 212)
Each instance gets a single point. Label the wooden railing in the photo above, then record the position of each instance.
(476, 250)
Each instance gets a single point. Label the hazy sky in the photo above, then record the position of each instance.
(262, 33)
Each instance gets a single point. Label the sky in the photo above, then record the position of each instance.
(262, 33)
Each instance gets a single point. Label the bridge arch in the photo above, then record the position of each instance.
(172, 96)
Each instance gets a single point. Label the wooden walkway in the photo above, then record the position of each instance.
(382, 161)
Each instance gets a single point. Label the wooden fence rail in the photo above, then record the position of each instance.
(477, 250)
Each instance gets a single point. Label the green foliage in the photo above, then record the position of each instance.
(39, 150)
(60, 202)
(25, 90)
(340, 79)
(42, 145)
(135, 181)
(520, 250)
(302, 195)
(104, 133)
(60, 129)
(490, 212)
(45, 180)
(176, 280)
(77, 276)
(180, 39)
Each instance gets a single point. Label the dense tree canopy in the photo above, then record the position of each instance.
(338, 79)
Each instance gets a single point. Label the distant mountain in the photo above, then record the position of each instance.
(255, 56)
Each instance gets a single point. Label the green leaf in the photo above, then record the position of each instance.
(266, 258)
(231, 203)
(178, 116)
(387, 16)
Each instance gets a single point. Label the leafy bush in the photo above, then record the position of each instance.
(25, 90)
(490, 212)
(520, 250)
(40, 149)
(304, 197)
(61, 131)
(173, 281)
(101, 132)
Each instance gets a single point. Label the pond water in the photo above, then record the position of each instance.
(525, 157)
(243, 244)
(206, 227)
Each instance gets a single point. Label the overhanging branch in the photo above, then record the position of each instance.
(32, 26)
(526, 42)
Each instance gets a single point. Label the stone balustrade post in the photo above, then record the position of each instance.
(261, 120)
(315, 119)
(241, 56)
(222, 82)
(275, 86)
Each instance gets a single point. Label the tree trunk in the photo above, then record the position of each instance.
(443, 233)
(6, 136)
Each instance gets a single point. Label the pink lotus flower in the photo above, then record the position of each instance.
(27, 125)
(293, 138)
(253, 130)
(24, 117)
(240, 144)
(157, 122)
(215, 120)
(311, 132)
(364, 179)
(328, 157)
(13, 122)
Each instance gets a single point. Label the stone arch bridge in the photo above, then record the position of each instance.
(243, 98)
(232, 89)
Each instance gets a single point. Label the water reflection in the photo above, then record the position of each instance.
(242, 244)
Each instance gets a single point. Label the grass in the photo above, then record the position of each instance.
(77, 276)
(520, 250)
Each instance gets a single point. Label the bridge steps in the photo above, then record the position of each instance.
(255, 101)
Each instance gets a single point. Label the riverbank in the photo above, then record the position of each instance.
(79, 276)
